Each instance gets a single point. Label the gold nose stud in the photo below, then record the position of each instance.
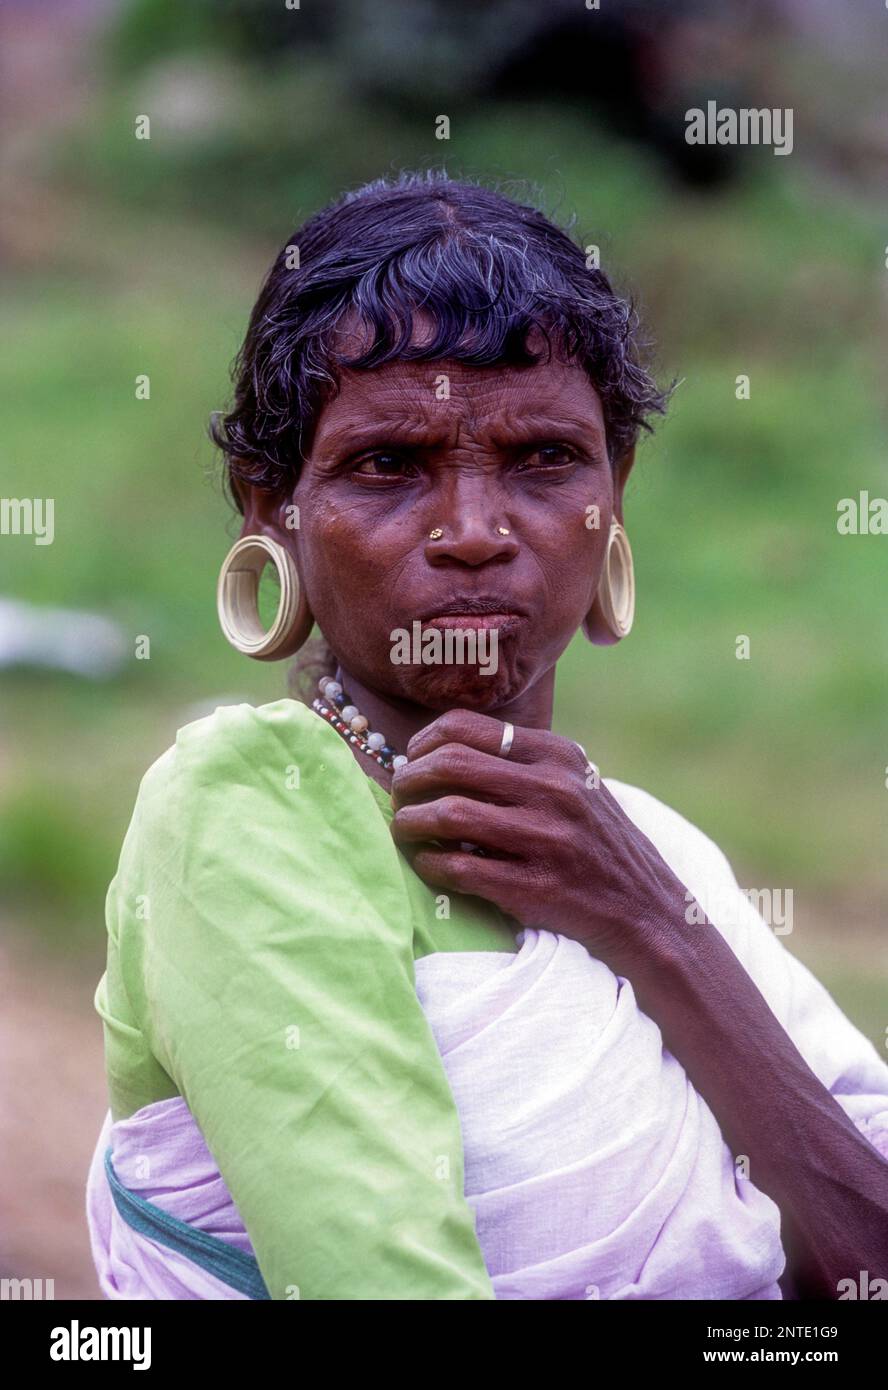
(438, 532)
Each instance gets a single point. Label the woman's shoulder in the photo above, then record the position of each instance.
(711, 889)
(239, 784)
(254, 816)
(686, 848)
(221, 739)
(705, 871)
(277, 747)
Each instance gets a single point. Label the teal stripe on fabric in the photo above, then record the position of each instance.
(234, 1267)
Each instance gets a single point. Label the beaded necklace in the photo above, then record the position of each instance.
(336, 707)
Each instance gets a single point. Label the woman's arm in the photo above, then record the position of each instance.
(563, 854)
(266, 954)
(835, 1078)
(803, 1150)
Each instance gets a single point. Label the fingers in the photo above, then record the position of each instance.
(480, 731)
(485, 734)
(457, 767)
(461, 872)
(498, 828)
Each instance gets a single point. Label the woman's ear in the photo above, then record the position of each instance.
(265, 513)
(621, 473)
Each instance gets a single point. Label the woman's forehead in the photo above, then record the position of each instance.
(398, 393)
(448, 380)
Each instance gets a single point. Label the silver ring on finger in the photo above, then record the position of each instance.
(506, 743)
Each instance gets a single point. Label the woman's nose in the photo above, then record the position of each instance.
(471, 535)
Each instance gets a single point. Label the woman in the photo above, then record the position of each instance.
(402, 999)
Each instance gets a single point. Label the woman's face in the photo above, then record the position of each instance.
(412, 447)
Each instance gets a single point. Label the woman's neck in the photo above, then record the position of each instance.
(400, 719)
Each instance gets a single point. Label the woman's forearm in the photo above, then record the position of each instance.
(829, 1182)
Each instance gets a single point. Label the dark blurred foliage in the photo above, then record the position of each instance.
(619, 66)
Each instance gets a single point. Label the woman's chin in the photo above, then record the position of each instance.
(441, 688)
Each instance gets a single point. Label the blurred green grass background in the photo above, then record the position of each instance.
(156, 254)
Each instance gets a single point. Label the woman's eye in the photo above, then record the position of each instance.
(549, 456)
(383, 465)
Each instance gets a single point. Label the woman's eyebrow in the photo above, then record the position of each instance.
(366, 435)
(533, 427)
(426, 432)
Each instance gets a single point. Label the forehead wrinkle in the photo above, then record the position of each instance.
(401, 397)
(406, 418)
(557, 423)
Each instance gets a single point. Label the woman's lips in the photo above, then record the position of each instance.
(500, 621)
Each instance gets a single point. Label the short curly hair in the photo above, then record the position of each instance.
(486, 271)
